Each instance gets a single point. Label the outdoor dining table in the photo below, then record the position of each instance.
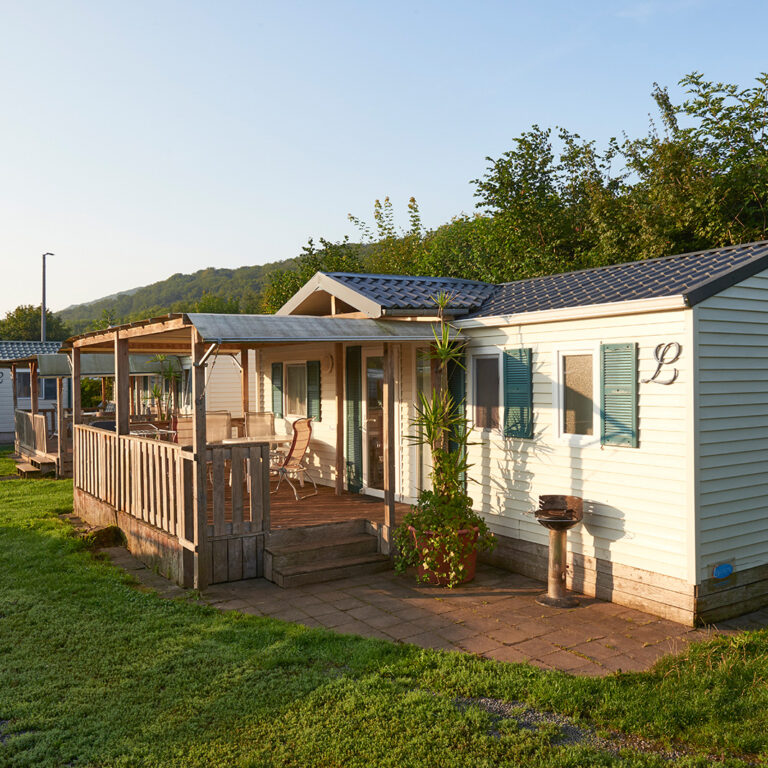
(271, 439)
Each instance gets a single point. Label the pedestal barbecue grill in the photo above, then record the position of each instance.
(558, 514)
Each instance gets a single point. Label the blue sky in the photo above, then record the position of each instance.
(140, 139)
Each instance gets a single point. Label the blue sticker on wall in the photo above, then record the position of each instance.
(722, 571)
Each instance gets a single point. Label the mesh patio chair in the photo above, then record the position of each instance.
(259, 424)
(218, 426)
(293, 463)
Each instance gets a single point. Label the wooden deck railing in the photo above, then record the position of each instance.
(135, 475)
(153, 481)
(31, 431)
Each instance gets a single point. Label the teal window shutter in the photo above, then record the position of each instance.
(313, 389)
(618, 394)
(518, 393)
(353, 405)
(277, 390)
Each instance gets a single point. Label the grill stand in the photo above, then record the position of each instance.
(557, 596)
(558, 513)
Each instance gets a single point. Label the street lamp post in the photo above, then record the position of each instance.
(42, 306)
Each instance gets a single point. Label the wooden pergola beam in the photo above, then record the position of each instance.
(33, 388)
(339, 367)
(77, 407)
(200, 480)
(13, 388)
(245, 385)
(389, 445)
(132, 332)
(122, 387)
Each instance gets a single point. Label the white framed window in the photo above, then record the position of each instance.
(486, 391)
(576, 394)
(296, 389)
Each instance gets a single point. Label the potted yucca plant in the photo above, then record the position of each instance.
(442, 534)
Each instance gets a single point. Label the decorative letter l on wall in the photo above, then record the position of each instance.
(665, 354)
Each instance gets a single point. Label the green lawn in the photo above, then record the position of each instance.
(95, 672)
(7, 464)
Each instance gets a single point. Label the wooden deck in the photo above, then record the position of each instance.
(326, 507)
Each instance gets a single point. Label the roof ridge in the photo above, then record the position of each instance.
(669, 257)
(409, 277)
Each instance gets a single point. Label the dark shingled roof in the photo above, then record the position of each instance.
(695, 276)
(13, 350)
(401, 292)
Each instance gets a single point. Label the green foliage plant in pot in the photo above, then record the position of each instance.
(442, 534)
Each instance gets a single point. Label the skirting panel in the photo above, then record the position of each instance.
(643, 590)
(155, 548)
(741, 592)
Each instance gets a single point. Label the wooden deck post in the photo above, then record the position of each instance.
(77, 402)
(200, 480)
(389, 447)
(61, 427)
(33, 388)
(339, 365)
(244, 381)
(13, 388)
(122, 392)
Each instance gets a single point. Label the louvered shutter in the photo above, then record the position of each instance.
(353, 405)
(313, 389)
(277, 390)
(518, 393)
(618, 394)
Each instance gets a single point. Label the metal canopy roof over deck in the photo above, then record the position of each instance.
(171, 333)
(58, 366)
(249, 329)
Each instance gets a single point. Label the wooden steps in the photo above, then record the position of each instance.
(30, 466)
(317, 553)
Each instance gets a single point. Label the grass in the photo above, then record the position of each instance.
(96, 673)
(7, 464)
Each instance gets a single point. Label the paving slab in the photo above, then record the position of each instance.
(495, 616)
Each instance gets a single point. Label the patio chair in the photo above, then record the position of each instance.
(293, 463)
(218, 426)
(258, 424)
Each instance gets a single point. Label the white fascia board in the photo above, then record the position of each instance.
(612, 309)
(322, 282)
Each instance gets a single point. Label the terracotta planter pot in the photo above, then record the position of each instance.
(439, 576)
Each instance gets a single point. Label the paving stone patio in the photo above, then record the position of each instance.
(495, 616)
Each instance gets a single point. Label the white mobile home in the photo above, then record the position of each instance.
(13, 350)
(641, 388)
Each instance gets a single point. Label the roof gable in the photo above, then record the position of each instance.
(386, 295)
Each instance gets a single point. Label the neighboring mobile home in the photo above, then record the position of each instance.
(642, 388)
(13, 350)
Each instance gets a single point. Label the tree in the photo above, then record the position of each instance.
(330, 257)
(23, 324)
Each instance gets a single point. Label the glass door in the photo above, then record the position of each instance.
(374, 425)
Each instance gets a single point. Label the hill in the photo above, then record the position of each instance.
(232, 290)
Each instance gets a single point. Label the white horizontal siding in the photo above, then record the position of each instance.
(636, 499)
(322, 455)
(732, 426)
(223, 387)
(322, 449)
